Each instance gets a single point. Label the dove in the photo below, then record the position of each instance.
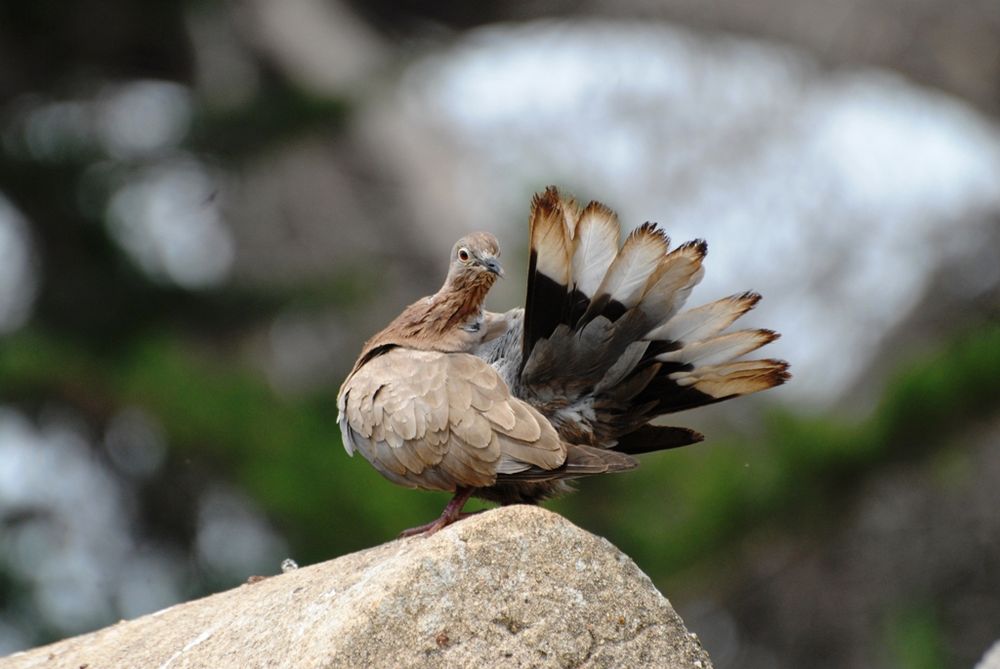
(512, 407)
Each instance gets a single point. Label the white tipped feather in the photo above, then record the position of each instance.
(720, 349)
(629, 274)
(571, 215)
(549, 237)
(672, 283)
(734, 378)
(595, 247)
(707, 320)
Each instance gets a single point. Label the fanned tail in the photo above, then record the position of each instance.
(606, 347)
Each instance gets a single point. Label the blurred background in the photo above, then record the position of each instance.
(206, 207)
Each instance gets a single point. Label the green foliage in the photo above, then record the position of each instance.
(279, 113)
(913, 637)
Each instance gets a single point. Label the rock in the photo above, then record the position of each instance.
(513, 587)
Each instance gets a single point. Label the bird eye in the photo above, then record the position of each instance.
(463, 255)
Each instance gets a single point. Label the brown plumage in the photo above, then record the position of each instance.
(451, 319)
(509, 407)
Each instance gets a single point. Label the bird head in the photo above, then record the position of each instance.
(474, 257)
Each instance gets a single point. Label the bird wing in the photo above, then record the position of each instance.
(442, 420)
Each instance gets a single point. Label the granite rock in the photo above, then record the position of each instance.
(513, 587)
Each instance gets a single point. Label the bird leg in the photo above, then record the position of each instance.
(451, 513)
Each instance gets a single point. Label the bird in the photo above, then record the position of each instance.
(512, 407)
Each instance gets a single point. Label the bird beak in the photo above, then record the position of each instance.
(493, 265)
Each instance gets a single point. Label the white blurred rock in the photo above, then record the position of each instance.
(991, 660)
(320, 44)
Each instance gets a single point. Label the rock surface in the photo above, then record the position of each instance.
(513, 587)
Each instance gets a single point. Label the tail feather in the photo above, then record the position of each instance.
(605, 346)
(649, 438)
(549, 268)
(581, 460)
(720, 348)
(734, 378)
(595, 246)
(676, 276)
(707, 320)
(628, 276)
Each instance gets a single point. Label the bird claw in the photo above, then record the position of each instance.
(428, 529)
(452, 512)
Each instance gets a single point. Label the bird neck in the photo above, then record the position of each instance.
(436, 322)
(460, 299)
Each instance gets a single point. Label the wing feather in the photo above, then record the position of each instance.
(441, 420)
